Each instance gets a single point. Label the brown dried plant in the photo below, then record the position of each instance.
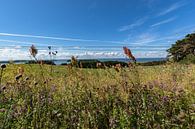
(129, 54)
(74, 61)
(33, 51)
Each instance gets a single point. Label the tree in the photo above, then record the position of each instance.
(182, 48)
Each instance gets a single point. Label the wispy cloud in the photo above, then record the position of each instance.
(150, 3)
(152, 39)
(172, 8)
(141, 39)
(15, 41)
(58, 38)
(164, 22)
(185, 29)
(138, 23)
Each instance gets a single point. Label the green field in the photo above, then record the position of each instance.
(34, 96)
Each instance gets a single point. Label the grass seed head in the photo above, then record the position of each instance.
(3, 66)
(18, 77)
(27, 78)
(33, 51)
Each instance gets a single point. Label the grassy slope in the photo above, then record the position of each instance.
(71, 97)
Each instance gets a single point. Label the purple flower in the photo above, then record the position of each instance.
(165, 98)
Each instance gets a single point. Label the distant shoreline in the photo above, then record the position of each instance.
(61, 61)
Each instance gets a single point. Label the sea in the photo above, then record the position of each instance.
(62, 61)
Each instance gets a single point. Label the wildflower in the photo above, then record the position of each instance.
(2, 110)
(33, 51)
(3, 66)
(165, 98)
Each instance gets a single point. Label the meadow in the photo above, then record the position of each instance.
(137, 97)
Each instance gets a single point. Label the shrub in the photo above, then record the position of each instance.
(188, 59)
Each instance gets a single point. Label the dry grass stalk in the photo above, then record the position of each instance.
(33, 51)
(129, 54)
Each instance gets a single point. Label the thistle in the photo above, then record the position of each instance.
(129, 54)
(33, 51)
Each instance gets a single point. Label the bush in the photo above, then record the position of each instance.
(188, 59)
(153, 63)
(88, 63)
(48, 62)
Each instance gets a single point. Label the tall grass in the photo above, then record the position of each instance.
(137, 97)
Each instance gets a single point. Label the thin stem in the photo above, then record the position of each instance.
(1, 77)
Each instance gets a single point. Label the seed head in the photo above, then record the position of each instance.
(18, 77)
(3, 66)
(3, 88)
(49, 47)
(128, 53)
(27, 78)
(33, 51)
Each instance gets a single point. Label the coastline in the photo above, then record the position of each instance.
(61, 61)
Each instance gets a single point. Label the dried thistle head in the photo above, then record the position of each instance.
(3, 66)
(128, 53)
(74, 60)
(33, 51)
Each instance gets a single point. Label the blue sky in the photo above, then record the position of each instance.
(93, 28)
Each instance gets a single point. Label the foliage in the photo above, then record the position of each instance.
(188, 59)
(153, 63)
(182, 48)
(49, 62)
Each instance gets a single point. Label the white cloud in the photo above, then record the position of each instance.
(151, 54)
(58, 38)
(22, 53)
(163, 22)
(172, 8)
(138, 23)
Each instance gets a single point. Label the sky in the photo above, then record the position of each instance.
(93, 28)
